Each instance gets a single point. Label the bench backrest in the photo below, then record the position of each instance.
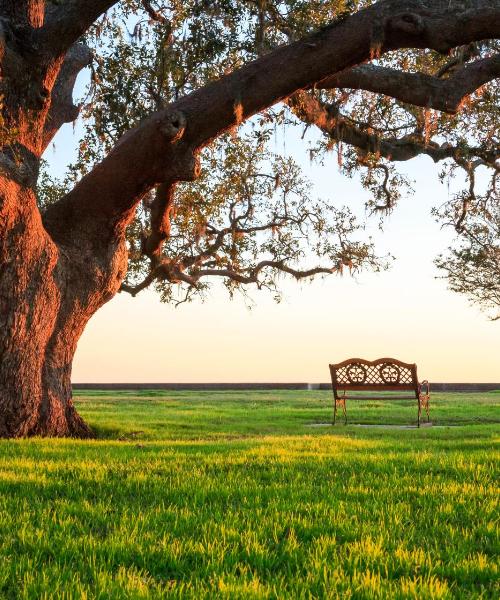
(383, 374)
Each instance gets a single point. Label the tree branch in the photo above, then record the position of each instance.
(153, 14)
(163, 146)
(253, 276)
(167, 271)
(66, 22)
(62, 110)
(419, 89)
(314, 112)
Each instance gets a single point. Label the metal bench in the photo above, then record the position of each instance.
(381, 375)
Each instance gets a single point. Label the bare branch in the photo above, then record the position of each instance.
(167, 271)
(253, 275)
(464, 54)
(388, 196)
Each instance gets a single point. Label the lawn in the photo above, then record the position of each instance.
(239, 495)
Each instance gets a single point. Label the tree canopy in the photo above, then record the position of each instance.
(247, 216)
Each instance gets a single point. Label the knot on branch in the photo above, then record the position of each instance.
(409, 23)
(173, 125)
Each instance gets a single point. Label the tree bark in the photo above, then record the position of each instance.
(48, 292)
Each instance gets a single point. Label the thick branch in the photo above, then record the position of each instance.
(66, 22)
(418, 88)
(62, 110)
(151, 153)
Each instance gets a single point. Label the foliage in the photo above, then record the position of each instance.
(235, 495)
(473, 266)
(250, 207)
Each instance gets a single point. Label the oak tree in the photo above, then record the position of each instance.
(176, 182)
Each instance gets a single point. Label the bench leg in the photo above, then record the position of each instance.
(342, 403)
(427, 409)
(423, 402)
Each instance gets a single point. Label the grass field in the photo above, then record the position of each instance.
(238, 495)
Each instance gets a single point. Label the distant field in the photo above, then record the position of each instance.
(239, 495)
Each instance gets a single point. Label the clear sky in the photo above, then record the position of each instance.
(404, 313)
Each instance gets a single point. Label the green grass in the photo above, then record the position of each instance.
(236, 495)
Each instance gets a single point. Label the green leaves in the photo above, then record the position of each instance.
(472, 265)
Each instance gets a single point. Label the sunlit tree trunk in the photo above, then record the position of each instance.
(47, 295)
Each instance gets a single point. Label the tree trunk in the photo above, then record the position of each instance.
(53, 277)
(48, 292)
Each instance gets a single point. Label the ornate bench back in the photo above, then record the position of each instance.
(381, 374)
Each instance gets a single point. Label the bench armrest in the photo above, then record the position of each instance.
(427, 386)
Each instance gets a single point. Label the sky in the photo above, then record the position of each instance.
(405, 313)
